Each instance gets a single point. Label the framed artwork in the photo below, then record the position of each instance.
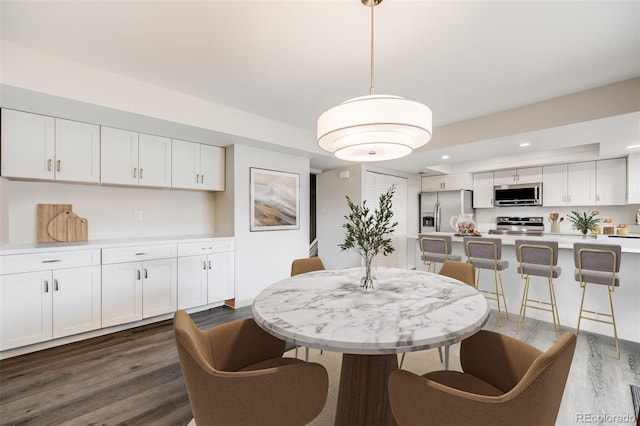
(275, 200)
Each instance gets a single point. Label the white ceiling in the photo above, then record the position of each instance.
(292, 60)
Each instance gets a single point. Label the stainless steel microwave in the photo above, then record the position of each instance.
(522, 194)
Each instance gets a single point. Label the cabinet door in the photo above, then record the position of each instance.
(154, 161)
(76, 300)
(185, 164)
(119, 157)
(610, 178)
(457, 181)
(554, 185)
(27, 145)
(504, 177)
(529, 175)
(432, 183)
(25, 309)
(221, 277)
(121, 293)
(77, 156)
(212, 167)
(192, 281)
(483, 190)
(159, 287)
(581, 184)
(633, 178)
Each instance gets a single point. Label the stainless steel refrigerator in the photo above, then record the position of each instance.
(437, 209)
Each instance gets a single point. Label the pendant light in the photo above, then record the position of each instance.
(374, 127)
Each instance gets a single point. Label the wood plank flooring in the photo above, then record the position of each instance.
(133, 377)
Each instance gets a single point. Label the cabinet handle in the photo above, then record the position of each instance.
(597, 197)
(135, 173)
(51, 261)
(209, 264)
(204, 265)
(49, 161)
(141, 172)
(58, 165)
(201, 178)
(46, 286)
(141, 254)
(138, 270)
(197, 178)
(146, 275)
(55, 284)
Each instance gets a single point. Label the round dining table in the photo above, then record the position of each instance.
(407, 310)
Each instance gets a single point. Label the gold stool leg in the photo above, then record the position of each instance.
(554, 309)
(613, 320)
(523, 305)
(504, 301)
(584, 288)
(495, 278)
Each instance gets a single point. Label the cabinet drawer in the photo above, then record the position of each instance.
(204, 247)
(136, 253)
(17, 263)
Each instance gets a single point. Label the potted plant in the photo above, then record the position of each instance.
(583, 221)
(368, 233)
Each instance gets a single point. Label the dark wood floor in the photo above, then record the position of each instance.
(130, 377)
(134, 377)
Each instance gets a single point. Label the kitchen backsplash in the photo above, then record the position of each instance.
(486, 218)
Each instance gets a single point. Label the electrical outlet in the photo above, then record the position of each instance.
(137, 215)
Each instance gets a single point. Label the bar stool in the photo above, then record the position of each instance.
(486, 253)
(597, 264)
(436, 249)
(538, 258)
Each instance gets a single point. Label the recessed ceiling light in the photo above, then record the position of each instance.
(523, 144)
(632, 146)
(445, 157)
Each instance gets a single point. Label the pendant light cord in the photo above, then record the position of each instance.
(371, 89)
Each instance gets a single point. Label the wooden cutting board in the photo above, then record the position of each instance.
(46, 213)
(67, 226)
(56, 222)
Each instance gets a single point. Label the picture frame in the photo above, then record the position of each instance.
(274, 200)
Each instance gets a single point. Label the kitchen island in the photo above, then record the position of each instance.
(626, 298)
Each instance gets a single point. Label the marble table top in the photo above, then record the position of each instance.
(408, 311)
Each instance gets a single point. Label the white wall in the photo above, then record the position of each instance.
(332, 207)
(264, 257)
(109, 210)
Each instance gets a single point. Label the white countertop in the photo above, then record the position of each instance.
(10, 249)
(408, 310)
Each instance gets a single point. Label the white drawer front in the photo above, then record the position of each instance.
(204, 247)
(136, 253)
(17, 263)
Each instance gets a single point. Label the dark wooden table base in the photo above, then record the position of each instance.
(363, 398)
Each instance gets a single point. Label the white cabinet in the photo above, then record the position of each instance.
(610, 178)
(633, 178)
(48, 295)
(129, 158)
(513, 176)
(138, 282)
(571, 184)
(447, 182)
(40, 147)
(483, 190)
(197, 166)
(205, 272)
